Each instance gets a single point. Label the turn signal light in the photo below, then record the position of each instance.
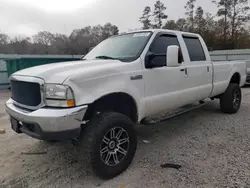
(71, 103)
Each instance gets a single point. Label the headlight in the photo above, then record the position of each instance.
(59, 96)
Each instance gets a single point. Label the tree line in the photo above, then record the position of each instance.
(227, 29)
(77, 43)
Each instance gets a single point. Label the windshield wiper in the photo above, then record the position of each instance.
(105, 57)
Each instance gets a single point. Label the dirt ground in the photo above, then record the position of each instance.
(213, 149)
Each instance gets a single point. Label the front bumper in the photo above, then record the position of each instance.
(48, 123)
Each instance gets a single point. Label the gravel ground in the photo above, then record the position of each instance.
(213, 149)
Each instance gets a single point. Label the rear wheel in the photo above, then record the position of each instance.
(230, 101)
(110, 140)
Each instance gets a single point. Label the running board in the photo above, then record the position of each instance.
(174, 113)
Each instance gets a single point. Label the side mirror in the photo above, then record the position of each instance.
(150, 63)
(174, 56)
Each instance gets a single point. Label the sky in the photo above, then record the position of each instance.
(27, 17)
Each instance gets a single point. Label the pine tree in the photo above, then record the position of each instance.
(238, 17)
(159, 14)
(199, 19)
(145, 18)
(235, 14)
(190, 5)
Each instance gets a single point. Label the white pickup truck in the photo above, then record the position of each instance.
(126, 78)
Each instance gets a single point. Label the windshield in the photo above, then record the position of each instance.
(126, 47)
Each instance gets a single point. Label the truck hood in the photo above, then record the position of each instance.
(59, 72)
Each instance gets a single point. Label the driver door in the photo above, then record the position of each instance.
(164, 86)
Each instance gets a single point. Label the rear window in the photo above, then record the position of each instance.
(195, 49)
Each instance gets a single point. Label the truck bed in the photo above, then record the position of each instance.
(223, 72)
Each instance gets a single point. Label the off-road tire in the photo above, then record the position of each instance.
(230, 101)
(92, 138)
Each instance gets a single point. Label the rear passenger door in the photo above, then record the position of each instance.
(199, 70)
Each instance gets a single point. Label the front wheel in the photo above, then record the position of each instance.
(111, 141)
(230, 101)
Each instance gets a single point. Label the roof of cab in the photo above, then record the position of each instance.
(164, 30)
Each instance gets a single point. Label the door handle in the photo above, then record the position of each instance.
(185, 70)
(208, 69)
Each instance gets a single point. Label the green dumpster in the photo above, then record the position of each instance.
(17, 64)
